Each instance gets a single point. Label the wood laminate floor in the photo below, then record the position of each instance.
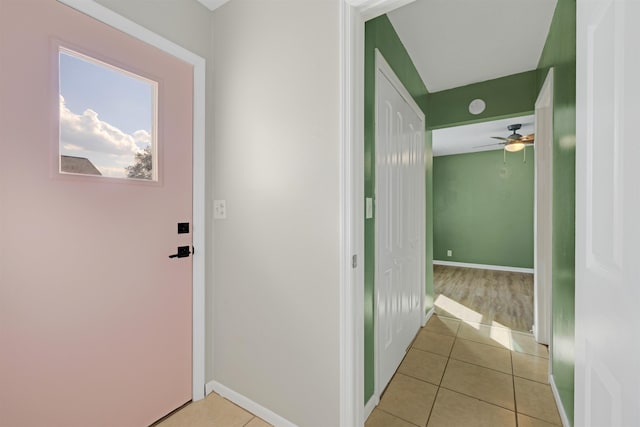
(490, 297)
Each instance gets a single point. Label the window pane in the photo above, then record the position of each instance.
(107, 120)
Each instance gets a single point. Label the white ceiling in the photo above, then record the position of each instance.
(467, 138)
(213, 4)
(458, 42)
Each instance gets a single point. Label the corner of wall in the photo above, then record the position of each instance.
(560, 52)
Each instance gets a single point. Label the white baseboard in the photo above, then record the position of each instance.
(428, 315)
(208, 388)
(248, 404)
(484, 266)
(563, 414)
(370, 406)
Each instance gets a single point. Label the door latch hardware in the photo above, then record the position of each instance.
(183, 251)
(183, 227)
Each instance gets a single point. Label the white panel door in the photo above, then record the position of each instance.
(400, 218)
(607, 371)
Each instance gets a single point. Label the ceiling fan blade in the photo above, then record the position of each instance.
(489, 145)
(528, 138)
(500, 138)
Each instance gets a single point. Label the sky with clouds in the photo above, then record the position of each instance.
(105, 115)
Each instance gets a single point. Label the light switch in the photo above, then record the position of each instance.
(368, 214)
(219, 209)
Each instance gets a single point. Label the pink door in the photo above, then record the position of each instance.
(95, 318)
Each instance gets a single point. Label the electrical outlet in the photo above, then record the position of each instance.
(449, 252)
(219, 209)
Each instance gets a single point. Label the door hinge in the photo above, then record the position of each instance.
(354, 261)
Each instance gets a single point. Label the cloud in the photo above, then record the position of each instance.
(71, 147)
(87, 132)
(142, 136)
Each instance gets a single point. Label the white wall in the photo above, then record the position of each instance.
(276, 163)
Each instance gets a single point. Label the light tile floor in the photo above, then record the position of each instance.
(465, 374)
(212, 411)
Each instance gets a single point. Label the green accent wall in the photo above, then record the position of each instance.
(509, 96)
(379, 34)
(560, 53)
(481, 231)
(483, 208)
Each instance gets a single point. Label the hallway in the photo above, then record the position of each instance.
(473, 364)
(462, 373)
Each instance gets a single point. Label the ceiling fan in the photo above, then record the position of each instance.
(515, 141)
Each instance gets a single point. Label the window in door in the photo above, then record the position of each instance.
(108, 119)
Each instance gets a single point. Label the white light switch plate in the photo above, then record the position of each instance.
(368, 214)
(219, 209)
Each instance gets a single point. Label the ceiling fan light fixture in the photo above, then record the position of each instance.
(512, 147)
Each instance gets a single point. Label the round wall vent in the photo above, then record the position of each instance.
(477, 106)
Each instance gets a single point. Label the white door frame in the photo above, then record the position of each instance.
(543, 202)
(107, 16)
(353, 15)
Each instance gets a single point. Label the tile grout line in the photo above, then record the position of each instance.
(537, 417)
(529, 379)
(433, 405)
(427, 351)
(482, 366)
(396, 416)
(478, 399)
(513, 381)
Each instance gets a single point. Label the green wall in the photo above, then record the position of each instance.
(483, 208)
(491, 218)
(560, 52)
(379, 33)
(509, 96)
